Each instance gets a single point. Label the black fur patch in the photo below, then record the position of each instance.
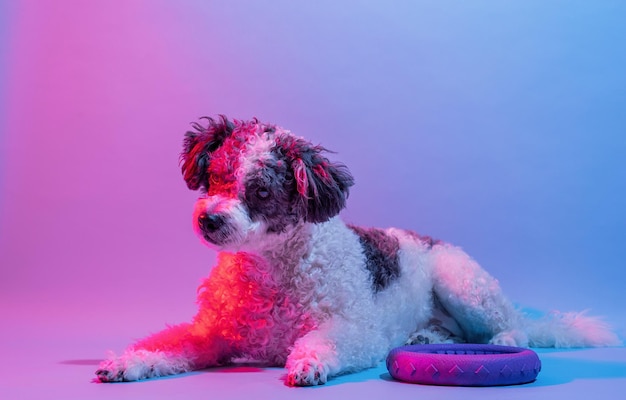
(269, 195)
(197, 148)
(323, 186)
(381, 255)
(427, 240)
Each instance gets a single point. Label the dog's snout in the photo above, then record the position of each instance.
(210, 222)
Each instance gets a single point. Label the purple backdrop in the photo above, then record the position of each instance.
(495, 126)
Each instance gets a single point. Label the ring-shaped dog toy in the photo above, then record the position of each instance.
(463, 364)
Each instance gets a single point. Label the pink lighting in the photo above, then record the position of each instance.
(497, 126)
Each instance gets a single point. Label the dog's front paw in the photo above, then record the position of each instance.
(111, 370)
(307, 373)
(140, 364)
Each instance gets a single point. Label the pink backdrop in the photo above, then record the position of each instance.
(493, 126)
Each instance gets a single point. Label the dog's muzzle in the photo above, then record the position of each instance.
(213, 227)
(222, 222)
(210, 223)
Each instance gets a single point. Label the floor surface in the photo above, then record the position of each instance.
(51, 352)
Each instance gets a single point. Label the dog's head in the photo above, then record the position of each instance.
(256, 180)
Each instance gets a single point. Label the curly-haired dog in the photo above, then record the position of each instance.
(295, 286)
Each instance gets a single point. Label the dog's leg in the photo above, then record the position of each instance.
(175, 350)
(311, 360)
(474, 299)
(338, 346)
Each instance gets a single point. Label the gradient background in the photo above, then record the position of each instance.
(497, 126)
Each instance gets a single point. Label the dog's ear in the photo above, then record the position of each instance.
(322, 186)
(197, 148)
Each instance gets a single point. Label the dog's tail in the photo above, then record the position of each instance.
(572, 329)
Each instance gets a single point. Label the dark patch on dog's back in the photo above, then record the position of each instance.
(427, 240)
(381, 255)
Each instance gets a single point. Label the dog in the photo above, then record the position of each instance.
(295, 286)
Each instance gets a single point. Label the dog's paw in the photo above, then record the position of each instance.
(111, 370)
(510, 338)
(307, 373)
(138, 365)
(416, 338)
(430, 336)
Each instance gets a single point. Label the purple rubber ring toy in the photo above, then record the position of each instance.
(463, 364)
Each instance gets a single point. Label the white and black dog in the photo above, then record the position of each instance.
(295, 286)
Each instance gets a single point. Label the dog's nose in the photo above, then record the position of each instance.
(210, 222)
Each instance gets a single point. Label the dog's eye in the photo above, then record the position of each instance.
(262, 193)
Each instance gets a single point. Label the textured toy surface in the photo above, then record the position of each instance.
(463, 364)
